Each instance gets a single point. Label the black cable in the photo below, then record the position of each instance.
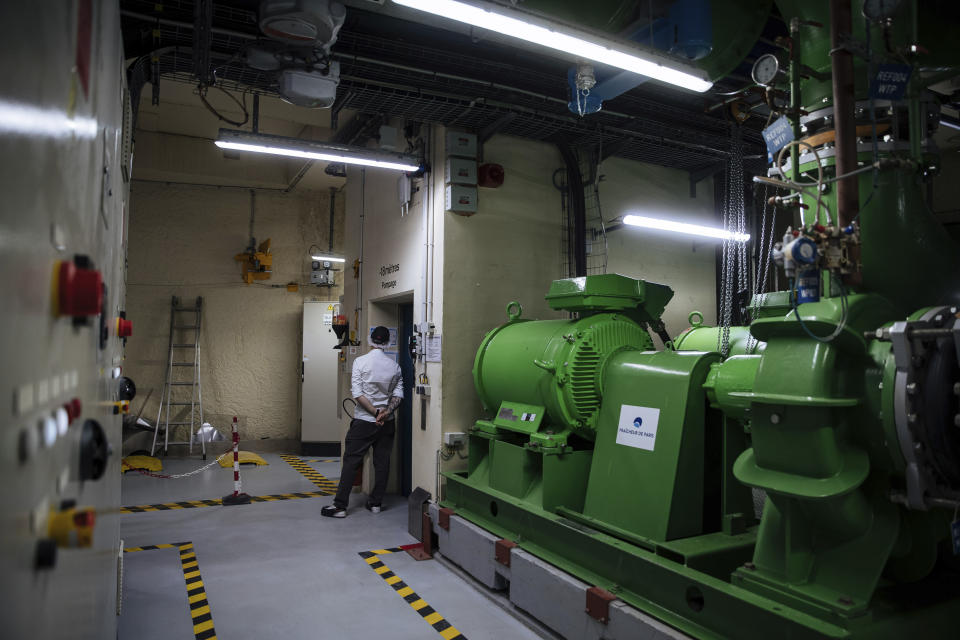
(344, 407)
(243, 105)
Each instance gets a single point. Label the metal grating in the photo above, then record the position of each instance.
(397, 77)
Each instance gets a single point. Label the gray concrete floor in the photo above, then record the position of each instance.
(279, 569)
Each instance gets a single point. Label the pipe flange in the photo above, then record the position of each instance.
(915, 432)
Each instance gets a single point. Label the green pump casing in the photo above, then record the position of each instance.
(558, 364)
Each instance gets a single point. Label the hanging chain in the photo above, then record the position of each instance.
(734, 252)
(183, 475)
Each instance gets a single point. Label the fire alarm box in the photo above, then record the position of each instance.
(461, 199)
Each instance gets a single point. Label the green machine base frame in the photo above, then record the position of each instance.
(679, 582)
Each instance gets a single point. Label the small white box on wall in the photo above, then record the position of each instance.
(461, 199)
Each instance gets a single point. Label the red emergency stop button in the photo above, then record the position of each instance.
(80, 291)
(74, 408)
(124, 328)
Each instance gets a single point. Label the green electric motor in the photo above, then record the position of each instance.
(555, 367)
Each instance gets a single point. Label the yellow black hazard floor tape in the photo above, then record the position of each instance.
(216, 502)
(311, 474)
(434, 619)
(196, 594)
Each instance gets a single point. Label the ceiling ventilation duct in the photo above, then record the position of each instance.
(302, 32)
(313, 23)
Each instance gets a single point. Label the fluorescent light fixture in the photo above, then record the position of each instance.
(684, 227)
(307, 149)
(327, 258)
(569, 40)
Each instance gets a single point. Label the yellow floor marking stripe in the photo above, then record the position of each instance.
(433, 618)
(450, 632)
(203, 626)
(191, 578)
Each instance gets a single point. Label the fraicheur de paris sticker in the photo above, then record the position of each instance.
(638, 426)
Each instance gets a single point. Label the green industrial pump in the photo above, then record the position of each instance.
(796, 477)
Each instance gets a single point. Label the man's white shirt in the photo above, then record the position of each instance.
(376, 376)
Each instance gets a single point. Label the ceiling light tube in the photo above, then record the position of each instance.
(327, 258)
(310, 150)
(686, 228)
(570, 40)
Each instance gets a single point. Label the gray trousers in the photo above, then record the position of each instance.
(361, 436)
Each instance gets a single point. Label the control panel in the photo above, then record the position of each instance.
(63, 322)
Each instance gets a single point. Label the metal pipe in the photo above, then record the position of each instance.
(795, 104)
(841, 29)
(333, 204)
(186, 25)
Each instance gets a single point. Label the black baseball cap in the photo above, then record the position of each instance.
(380, 335)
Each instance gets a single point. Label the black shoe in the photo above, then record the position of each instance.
(332, 511)
(372, 508)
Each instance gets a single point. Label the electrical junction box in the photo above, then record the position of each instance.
(461, 144)
(461, 199)
(455, 439)
(461, 171)
(321, 272)
(389, 138)
(423, 390)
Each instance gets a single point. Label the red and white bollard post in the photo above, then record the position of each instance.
(236, 497)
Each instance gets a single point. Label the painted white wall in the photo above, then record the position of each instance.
(391, 271)
(182, 242)
(684, 263)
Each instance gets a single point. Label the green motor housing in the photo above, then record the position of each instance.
(558, 364)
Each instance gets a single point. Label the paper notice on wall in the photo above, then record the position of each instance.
(638, 426)
(432, 348)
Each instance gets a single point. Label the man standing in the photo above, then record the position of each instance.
(377, 386)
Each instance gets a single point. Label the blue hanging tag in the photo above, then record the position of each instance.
(777, 136)
(955, 534)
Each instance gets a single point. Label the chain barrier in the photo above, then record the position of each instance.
(183, 475)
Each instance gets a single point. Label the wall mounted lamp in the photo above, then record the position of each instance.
(310, 150)
(686, 228)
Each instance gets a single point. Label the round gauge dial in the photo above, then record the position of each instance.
(880, 9)
(765, 69)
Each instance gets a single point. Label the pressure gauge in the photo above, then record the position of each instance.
(878, 10)
(765, 69)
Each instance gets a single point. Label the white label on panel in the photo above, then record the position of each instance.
(638, 426)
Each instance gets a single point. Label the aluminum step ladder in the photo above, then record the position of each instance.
(183, 375)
